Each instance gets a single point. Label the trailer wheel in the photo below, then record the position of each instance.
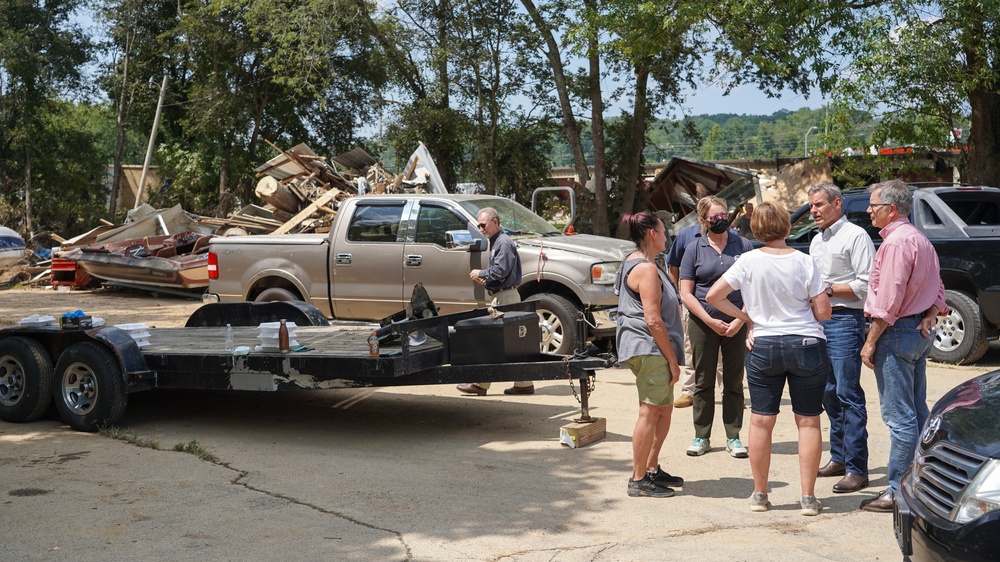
(276, 294)
(25, 379)
(959, 337)
(89, 391)
(557, 319)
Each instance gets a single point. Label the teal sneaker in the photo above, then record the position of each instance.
(699, 447)
(736, 449)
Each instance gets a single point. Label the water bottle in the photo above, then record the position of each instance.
(229, 338)
(283, 336)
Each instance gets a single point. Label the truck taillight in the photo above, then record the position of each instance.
(213, 266)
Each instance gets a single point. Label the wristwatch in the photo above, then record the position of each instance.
(829, 289)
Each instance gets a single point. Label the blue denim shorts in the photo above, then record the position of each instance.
(802, 361)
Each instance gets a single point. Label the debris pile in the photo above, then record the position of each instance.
(165, 250)
(302, 191)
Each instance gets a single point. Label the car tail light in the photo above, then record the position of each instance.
(213, 265)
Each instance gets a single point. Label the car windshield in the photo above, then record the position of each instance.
(515, 219)
(803, 226)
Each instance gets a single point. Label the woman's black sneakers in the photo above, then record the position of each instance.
(664, 478)
(647, 488)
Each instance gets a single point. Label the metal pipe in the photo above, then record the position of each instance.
(811, 129)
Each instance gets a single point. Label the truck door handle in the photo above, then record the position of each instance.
(343, 259)
(413, 260)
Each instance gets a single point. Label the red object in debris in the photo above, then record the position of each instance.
(65, 272)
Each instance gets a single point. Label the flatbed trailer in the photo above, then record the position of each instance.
(88, 374)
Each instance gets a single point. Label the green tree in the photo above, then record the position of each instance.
(41, 53)
(924, 65)
(247, 69)
(135, 54)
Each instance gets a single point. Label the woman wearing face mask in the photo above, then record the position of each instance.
(710, 330)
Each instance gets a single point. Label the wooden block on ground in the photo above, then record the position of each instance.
(575, 435)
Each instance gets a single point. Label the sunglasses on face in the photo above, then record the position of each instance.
(481, 225)
(720, 216)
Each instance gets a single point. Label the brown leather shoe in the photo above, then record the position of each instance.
(879, 504)
(683, 401)
(520, 390)
(469, 388)
(831, 469)
(850, 483)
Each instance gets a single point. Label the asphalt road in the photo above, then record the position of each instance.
(411, 473)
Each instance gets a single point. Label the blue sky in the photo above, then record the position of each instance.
(746, 100)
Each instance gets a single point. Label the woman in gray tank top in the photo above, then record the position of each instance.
(650, 342)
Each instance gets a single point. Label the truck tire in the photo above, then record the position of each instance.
(557, 319)
(25, 379)
(89, 391)
(276, 294)
(959, 337)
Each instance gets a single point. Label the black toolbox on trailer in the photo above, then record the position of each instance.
(512, 338)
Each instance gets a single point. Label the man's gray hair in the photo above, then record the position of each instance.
(490, 213)
(895, 192)
(831, 191)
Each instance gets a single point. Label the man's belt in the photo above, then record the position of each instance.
(492, 292)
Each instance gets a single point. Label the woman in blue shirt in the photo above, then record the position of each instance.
(710, 330)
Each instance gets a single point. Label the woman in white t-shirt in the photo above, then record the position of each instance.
(785, 300)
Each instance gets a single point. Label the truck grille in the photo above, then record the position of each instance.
(943, 472)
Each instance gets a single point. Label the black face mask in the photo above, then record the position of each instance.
(719, 226)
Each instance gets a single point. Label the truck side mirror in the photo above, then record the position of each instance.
(457, 239)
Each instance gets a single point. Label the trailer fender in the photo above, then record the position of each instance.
(135, 371)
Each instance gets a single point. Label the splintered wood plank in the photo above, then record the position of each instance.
(304, 214)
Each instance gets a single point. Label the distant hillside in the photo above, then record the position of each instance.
(728, 136)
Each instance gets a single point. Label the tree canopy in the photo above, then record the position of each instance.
(499, 91)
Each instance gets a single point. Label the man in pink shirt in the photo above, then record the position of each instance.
(905, 294)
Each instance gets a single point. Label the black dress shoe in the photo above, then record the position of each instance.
(850, 483)
(879, 504)
(520, 390)
(831, 469)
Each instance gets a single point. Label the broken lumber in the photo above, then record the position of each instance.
(304, 214)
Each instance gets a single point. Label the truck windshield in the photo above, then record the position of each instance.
(516, 220)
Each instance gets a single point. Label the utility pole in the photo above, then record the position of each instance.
(152, 142)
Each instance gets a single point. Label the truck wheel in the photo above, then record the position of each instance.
(89, 391)
(276, 294)
(959, 337)
(25, 379)
(557, 319)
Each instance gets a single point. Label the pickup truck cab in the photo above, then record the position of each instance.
(380, 246)
(963, 224)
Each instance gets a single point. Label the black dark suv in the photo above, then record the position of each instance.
(948, 504)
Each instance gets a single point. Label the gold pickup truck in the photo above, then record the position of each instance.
(380, 246)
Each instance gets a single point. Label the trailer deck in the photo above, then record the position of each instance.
(89, 373)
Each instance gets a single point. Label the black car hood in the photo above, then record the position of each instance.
(970, 416)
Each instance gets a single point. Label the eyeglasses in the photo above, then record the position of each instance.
(875, 205)
(720, 216)
(481, 225)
